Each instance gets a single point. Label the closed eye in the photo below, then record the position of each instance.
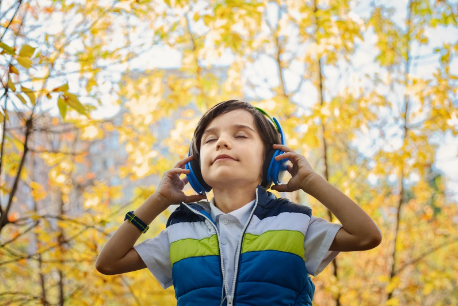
(239, 136)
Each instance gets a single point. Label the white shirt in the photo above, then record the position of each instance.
(230, 227)
(155, 252)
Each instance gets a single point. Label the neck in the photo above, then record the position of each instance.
(227, 200)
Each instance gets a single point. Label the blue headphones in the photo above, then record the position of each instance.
(273, 170)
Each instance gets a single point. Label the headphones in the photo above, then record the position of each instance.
(273, 170)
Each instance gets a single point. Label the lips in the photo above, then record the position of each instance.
(223, 156)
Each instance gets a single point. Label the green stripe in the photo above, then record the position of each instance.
(185, 248)
(281, 240)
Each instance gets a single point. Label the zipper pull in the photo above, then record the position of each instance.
(229, 300)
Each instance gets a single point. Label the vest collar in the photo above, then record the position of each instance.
(265, 199)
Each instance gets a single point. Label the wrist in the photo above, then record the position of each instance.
(307, 183)
(159, 201)
(151, 208)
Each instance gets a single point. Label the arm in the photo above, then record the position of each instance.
(358, 232)
(118, 255)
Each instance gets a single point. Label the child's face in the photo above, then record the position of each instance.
(244, 145)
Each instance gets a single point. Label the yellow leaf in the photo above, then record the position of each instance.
(26, 51)
(428, 289)
(394, 283)
(35, 185)
(24, 62)
(11, 85)
(14, 70)
(29, 94)
(72, 101)
(7, 48)
(20, 97)
(63, 88)
(62, 107)
(383, 279)
(392, 302)
(31, 214)
(38, 194)
(5, 113)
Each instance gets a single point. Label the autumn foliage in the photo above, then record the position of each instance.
(91, 116)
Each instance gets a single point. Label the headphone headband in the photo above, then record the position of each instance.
(262, 111)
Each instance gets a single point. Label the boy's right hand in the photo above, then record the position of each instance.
(170, 189)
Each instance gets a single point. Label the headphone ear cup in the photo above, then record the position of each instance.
(266, 181)
(278, 168)
(198, 175)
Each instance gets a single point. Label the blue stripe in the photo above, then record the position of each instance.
(195, 273)
(282, 269)
(254, 293)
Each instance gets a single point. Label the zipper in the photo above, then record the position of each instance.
(230, 299)
(219, 245)
(239, 250)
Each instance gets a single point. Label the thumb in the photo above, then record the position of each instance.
(280, 187)
(195, 198)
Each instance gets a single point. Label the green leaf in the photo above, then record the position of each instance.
(20, 97)
(7, 48)
(26, 51)
(29, 94)
(62, 107)
(24, 62)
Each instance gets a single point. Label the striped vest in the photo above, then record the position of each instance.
(269, 263)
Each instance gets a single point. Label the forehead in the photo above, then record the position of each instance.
(238, 116)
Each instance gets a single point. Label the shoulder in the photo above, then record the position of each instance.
(183, 214)
(273, 206)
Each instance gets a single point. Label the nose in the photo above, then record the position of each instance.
(222, 141)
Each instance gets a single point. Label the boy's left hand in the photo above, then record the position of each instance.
(301, 170)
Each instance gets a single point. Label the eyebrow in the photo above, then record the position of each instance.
(241, 126)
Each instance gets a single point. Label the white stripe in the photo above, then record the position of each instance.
(194, 230)
(284, 221)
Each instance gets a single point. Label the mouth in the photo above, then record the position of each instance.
(224, 158)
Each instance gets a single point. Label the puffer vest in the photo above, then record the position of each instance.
(269, 263)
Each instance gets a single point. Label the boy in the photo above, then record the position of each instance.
(245, 246)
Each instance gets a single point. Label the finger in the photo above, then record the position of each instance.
(179, 171)
(185, 180)
(183, 162)
(285, 155)
(280, 188)
(195, 198)
(282, 147)
(288, 168)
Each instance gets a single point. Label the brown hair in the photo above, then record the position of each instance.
(266, 129)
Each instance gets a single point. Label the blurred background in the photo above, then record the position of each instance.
(99, 98)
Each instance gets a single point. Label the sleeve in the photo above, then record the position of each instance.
(155, 253)
(318, 238)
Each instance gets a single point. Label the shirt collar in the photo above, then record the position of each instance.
(242, 214)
